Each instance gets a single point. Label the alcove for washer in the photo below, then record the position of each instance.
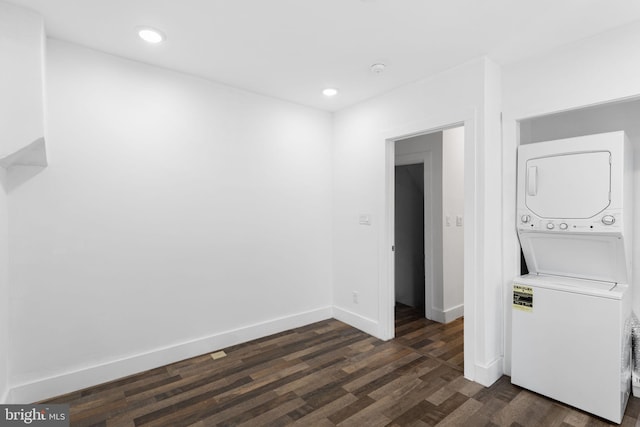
(614, 116)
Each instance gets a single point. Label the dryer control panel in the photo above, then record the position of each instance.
(607, 221)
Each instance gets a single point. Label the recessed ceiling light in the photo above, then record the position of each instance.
(151, 35)
(330, 91)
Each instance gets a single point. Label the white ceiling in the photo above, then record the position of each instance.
(292, 49)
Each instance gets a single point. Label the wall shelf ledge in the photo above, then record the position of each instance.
(23, 164)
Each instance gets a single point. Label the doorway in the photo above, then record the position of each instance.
(410, 232)
(472, 249)
(429, 224)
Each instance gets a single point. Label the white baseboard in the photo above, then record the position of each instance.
(449, 315)
(365, 324)
(94, 375)
(489, 374)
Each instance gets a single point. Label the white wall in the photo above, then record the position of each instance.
(21, 123)
(21, 78)
(177, 216)
(592, 71)
(469, 93)
(453, 224)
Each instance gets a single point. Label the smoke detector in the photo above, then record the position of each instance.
(378, 68)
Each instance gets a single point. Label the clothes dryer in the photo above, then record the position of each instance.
(575, 206)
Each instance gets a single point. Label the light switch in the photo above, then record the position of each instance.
(447, 221)
(458, 220)
(364, 219)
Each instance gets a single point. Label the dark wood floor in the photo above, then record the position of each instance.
(326, 374)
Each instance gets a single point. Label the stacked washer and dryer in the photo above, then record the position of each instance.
(571, 323)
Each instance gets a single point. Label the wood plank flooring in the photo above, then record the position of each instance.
(326, 374)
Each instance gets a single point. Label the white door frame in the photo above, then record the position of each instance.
(471, 274)
(424, 158)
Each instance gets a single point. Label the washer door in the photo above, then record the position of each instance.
(570, 185)
(588, 256)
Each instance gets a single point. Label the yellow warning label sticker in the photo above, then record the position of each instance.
(522, 298)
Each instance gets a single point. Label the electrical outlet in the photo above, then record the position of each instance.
(355, 297)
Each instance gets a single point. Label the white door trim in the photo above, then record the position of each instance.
(471, 245)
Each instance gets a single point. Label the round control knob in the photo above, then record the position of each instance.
(608, 220)
(550, 226)
(563, 226)
(525, 218)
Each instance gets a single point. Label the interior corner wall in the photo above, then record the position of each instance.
(360, 166)
(593, 71)
(489, 258)
(177, 216)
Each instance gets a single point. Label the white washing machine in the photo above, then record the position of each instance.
(571, 314)
(571, 342)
